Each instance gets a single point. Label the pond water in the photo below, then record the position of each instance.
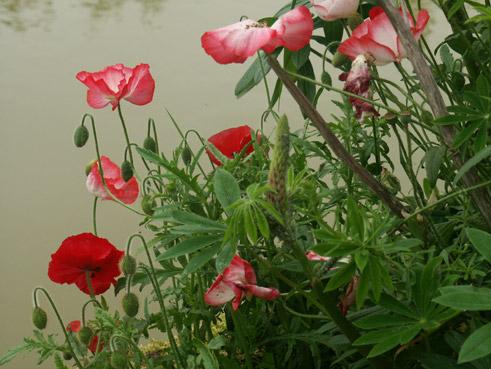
(44, 44)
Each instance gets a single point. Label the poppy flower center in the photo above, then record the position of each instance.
(256, 25)
(92, 271)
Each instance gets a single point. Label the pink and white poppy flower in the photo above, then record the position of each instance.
(117, 82)
(126, 192)
(330, 10)
(313, 256)
(239, 41)
(377, 39)
(236, 281)
(357, 81)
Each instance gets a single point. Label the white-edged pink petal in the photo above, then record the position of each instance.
(330, 10)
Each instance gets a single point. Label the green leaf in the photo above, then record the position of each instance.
(208, 357)
(477, 345)
(481, 241)
(400, 338)
(464, 135)
(476, 159)
(308, 88)
(195, 221)
(343, 276)
(381, 321)
(300, 57)
(226, 188)
(465, 298)
(250, 226)
(254, 74)
(455, 8)
(395, 306)
(201, 259)
(188, 246)
(375, 277)
(216, 343)
(225, 257)
(433, 160)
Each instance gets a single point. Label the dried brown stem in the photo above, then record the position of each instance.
(334, 144)
(435, 99)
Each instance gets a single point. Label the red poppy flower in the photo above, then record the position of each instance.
(237, 42)
(232, 141)
(94, 345)
(357, 81)
(377, 39)
(236, 281)
(86, 253)
(126, 192)
(74, 326)
(117, 82)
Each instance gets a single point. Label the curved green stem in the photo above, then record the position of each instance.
(58, 316)
(112, 346)
(84, 307)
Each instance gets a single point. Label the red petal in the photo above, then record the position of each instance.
(239, 272)
(220, 292)
(141, 86)
(94, 345)
(126, 192)
(236, 42)
(231, 141)
(294, 29)
(74, 326)
(264, 293)
(313, 256)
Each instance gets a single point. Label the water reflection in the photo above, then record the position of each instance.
(21, 15)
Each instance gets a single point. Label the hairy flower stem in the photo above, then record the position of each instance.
(153, 279)
(58, 316)
(94, 215)
(480, 196)
(333, 142)
(127, 138)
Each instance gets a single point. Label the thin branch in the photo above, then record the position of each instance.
(334, 144)
(435, 99)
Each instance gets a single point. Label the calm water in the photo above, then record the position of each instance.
(44, 44)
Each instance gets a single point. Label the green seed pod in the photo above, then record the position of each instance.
(187, 155)
(118, 360)
(85, 334)
(148, 203)
(128, 266)
(150, 144)
(126, 171)
(67, 355)
(80, 136)
(130, 304)
(39, 318)
(354, 21)
(279, 165)
(338, 59)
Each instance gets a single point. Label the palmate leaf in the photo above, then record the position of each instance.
(226, 188)
(201, 258)
(188, 246)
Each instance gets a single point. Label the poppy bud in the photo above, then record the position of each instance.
(279, 165)
(150, 144)
(129, 265)
(88, 167)
(81, 136)
(67, 355)
(354, 21)
(85, 334)
(130, 304)
(148, 203)
(118, 360)
(126, 171)
(339, 59)
(39, 318)
(187, 155)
